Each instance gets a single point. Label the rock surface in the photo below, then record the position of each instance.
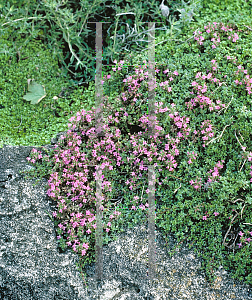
(33, 267)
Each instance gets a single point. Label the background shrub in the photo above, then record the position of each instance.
(65, 29)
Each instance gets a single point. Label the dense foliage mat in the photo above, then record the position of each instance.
(203, 185)
(202, 157)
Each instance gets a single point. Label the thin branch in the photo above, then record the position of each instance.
(218, 137)
(225, 107)
(242, 165)
(177, 189)
(237, 200)
(23, 19)
(127, 13)
(241, 136)
(247, 27)
(71, 49)
(242, 210)
(223, 243)
(239, 142)
(142, 194)
(85, 19)
(220, 84)
(20, 123)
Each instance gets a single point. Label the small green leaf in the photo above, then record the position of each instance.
(36, 92)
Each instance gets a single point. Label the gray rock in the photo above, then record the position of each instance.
(32, 266)
(125, 265)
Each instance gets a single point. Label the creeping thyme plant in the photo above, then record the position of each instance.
(202, 152)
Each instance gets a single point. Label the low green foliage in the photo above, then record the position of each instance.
(229, 124)
(24, 123)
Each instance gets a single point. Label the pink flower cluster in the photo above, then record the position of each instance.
(198, 184)
(243, 239)
(215, 172)
(214, 64)
(181, 123)
(79, 221)
(163, 84)
(201, 99)
(211, 178)
(216, 39)
(247, 80)
(207, 130)
(191, 156)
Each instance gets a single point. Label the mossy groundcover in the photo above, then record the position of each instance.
(26, 124)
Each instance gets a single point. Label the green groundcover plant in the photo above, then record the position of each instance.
(202, 152)
(24, 123)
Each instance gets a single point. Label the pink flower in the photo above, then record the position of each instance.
(85, 245)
